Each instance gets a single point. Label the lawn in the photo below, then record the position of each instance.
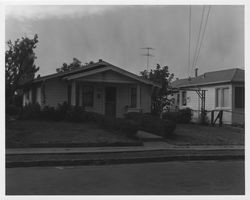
(193, 134)
(31, 133)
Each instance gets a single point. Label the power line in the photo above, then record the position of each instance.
(199, 34)
(202, 37)
(148, 54)
(189, 37)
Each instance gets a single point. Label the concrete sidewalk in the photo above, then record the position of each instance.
(148, 146)
(149, 152)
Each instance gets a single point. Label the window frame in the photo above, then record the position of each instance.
(220, 101)
(184, 100)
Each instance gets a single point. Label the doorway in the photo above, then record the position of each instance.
(110, 101)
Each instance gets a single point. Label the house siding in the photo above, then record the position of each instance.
(194, 102)
(55, 92)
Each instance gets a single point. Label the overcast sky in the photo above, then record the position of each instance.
(116, 34)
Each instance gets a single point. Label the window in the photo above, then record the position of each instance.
(178, 99)
(239, 97)
(225, 97)
(222, 98)
(184, 98)
(87, 96)
(133, 97)
(218, 97)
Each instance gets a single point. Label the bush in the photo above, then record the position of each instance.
(203, 119)
(78, 114)
(31, 111)
(164, 128)
(127, 127)
(13, 110)
(182, 116)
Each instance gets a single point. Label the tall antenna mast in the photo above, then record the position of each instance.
(148, 54)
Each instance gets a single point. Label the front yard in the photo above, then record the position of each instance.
(193, 134)
(31, 133)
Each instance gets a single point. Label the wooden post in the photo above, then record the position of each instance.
(221, 115)
(212, 117)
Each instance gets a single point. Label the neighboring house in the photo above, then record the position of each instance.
(224, 90)
(98, 87)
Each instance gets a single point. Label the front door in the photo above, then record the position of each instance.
(110, 101)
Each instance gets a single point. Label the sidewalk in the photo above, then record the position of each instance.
(148, 146)
(156, 151)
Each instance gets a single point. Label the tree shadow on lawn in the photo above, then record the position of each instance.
(32, 133)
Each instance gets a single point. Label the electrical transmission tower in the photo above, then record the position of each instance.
(148, 54)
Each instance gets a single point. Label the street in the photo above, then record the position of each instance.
(168, 178)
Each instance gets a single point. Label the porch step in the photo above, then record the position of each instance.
(148, 137)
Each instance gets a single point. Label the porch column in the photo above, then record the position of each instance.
(138, 96)
(73, 93)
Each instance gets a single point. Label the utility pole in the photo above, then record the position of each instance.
(148, 54)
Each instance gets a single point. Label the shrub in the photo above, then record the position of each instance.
(13, 110)
(127, 127)
(203, 119)
(78, 114)
(47, 113)
(31, 111)
(185, 115)
(164, 128)
(182, 116)
(73, 114)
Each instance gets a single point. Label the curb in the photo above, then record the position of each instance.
(87, 162)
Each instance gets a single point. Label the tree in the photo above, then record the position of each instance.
(20, 65)
(162, 76)
(68, 67)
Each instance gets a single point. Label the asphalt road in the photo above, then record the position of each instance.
(168, 178)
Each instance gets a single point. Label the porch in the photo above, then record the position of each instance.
(107, 98)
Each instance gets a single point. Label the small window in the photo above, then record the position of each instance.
(133, 97)
(222, 97)
(239, 97)
(87, 96)
(184, 98)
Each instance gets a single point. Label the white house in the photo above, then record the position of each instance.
(224, 90)
(99, 87)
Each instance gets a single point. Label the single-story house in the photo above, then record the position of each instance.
(222, 90)
(99, 87)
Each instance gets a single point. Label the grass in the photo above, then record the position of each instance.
(31, 133)
(193, 134)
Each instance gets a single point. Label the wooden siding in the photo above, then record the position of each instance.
(194, 102)
(55, 92)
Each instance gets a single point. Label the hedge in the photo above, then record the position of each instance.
(182, 116)
(153, 124)
(64, 112)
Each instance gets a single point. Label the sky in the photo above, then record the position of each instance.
(117, 35)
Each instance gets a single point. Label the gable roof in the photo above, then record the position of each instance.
(215, 77)
(92, 69)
